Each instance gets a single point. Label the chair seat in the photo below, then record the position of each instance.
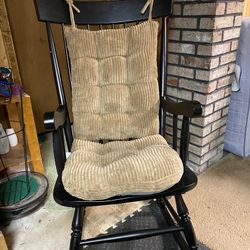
(188, 182)
(143, 166)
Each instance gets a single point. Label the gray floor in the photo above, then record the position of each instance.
(37, 230)
(149, 217)
(219, 208)
(49, 227)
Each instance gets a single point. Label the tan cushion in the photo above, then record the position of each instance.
(99, 171)
(114, 82)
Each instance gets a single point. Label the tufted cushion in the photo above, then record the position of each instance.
(99, 171)
(114, 82)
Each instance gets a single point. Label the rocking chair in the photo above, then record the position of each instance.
(119, 153)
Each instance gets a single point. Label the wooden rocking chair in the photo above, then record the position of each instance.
(111, 13)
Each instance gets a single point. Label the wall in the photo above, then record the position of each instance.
(32, 51)
(7, 55)
(202, 51)
(246, 11)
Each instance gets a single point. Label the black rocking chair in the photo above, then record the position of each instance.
(112, 13)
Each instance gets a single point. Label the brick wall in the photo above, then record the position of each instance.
(203, 40)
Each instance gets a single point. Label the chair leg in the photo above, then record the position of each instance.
(186, 222)
(77, 224)
(179, 237)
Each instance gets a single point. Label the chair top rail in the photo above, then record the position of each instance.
(105, 12)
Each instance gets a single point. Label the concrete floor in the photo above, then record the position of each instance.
(49, 227)
(220, 204)
(219, 207)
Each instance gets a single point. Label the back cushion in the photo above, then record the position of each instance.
(115, 91)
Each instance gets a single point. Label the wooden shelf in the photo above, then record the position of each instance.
(8, 59)
(14, 160)
(14, 99)
(13, 109)
(3, 245)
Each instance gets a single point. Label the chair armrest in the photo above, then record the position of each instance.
(186, 108)
(53, 120)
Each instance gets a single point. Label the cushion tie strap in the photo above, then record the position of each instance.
(149, 4)
(71, 13)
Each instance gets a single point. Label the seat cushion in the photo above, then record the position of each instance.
(99, 171)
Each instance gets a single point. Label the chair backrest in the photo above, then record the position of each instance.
(103, 12)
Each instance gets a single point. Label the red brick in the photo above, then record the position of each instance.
(181, 48)
(180, 71)
(183, 23)
(234, 7)
(203, 9)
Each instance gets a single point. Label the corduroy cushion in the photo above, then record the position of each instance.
(115, 96)
(114, 82)
(99, 171)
